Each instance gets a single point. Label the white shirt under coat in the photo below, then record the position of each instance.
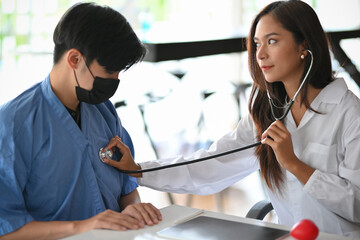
(328, 142)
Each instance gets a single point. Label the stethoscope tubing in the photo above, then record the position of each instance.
(233, 150)
(192, 161)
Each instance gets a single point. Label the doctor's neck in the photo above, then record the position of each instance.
(311, 93)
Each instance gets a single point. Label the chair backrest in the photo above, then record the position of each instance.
(260, 210)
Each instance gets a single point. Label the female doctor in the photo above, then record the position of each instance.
(309, 159)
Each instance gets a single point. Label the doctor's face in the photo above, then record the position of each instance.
(277, 53)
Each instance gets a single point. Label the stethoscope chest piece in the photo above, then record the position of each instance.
(107, 154)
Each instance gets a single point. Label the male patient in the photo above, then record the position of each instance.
(52, 183)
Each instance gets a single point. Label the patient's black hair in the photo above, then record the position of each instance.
(99, 33)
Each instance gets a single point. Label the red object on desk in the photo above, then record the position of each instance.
(304, 230)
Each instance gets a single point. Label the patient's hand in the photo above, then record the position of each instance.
(145, 213)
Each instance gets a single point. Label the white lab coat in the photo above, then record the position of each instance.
(328, 142)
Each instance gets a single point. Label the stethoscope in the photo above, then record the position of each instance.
(109, 154)
(289, 104)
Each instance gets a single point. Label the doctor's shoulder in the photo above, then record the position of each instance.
(350, 104)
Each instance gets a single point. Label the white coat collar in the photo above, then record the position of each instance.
(332, 93)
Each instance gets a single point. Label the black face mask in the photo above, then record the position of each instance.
(102, 90)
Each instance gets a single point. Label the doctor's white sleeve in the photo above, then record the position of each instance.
(209, 176)
(341, 193)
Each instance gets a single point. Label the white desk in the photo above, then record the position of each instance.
(172, 214)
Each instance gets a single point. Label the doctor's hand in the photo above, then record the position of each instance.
(279, 139)
(126, 162)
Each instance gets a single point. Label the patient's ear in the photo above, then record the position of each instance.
(73, 58)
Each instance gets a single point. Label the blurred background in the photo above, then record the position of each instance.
(169, 107)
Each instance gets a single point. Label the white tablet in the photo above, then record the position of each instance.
(209, 228)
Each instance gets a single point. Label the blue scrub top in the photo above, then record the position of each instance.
(49, 167)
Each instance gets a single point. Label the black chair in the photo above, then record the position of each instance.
(260, 210)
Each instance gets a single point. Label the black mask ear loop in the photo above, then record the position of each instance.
(89, 69)
(76, 78)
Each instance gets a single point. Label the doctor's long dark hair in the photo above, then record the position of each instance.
(301, 20)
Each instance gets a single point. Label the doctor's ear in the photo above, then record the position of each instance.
(304, 53)
(304, 50)
(73, 58)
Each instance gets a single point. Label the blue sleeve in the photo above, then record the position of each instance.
(130, 183)
(13, 175)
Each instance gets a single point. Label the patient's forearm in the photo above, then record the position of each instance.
(129, 199)
(47, 230)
